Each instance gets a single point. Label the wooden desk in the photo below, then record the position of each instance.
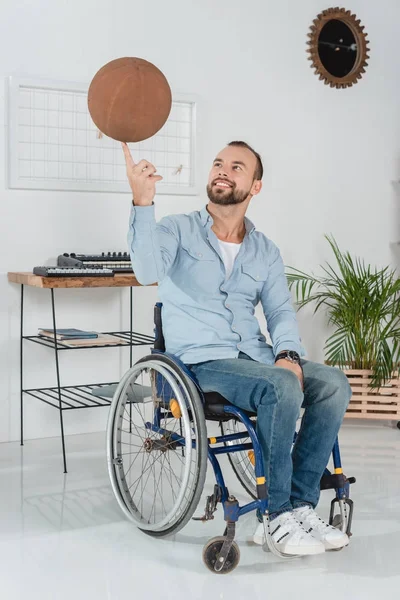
(78, 396)
(119, 280)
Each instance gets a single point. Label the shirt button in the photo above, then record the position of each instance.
(199, 254)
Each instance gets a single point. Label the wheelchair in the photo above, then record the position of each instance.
(157, 452)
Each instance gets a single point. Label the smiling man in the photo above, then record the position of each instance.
(213, 267)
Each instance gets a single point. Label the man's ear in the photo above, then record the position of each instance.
(256, 187)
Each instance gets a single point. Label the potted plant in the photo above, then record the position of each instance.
(363, 307)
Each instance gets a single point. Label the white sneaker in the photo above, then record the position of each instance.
(331, 537)
(289, 536)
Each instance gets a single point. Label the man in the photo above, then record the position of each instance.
(213, 268)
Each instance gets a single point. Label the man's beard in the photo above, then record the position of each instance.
(223, 198)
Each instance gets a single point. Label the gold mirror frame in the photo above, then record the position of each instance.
(354, 24)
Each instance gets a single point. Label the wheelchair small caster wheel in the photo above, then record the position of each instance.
(211, 555)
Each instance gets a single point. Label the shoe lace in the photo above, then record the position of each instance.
(313, 520)
(289, 523)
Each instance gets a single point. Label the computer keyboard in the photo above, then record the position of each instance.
(73, 272)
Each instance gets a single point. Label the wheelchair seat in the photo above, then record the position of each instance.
(214, 407)
(214, 404)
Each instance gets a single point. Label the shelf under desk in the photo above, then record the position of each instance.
(79, 396)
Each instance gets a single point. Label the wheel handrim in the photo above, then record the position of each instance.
(161, 449)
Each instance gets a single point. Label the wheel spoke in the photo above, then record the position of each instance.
(240, 461)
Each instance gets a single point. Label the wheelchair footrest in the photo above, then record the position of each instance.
(344, 519)
(333, 482)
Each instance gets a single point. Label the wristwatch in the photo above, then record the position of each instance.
(288, 355)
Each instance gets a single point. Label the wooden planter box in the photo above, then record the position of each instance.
(382, 403)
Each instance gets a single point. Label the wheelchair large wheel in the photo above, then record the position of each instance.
(241, 461)
(157, 446)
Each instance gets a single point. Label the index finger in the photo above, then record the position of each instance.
(128, 156)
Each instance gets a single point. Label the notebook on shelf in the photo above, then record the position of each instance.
(103, 339)
(68, 334)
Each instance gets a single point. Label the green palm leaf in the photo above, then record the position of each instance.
(362, 304)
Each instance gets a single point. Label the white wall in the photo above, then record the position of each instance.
(329, 155)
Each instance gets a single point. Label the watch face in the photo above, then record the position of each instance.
(291, 355)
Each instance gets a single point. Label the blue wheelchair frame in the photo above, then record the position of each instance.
(232, 509)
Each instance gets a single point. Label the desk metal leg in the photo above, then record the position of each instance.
(58, 379)
(130, 350)
(131, 324)
(22, 364)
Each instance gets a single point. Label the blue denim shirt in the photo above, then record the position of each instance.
(206, 317)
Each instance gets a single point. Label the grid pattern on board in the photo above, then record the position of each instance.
(56, 145)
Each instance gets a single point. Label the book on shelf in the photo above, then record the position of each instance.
(103, 339)
(68, 334)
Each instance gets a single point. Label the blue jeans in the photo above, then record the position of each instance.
(275, 395)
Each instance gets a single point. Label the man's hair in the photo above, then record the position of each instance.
(258, 174)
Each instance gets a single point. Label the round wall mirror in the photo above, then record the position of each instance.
(338, 47)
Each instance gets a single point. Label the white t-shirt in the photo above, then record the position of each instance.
(229, 251)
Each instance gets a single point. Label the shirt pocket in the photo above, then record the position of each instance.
(198, 253)
(252, 278)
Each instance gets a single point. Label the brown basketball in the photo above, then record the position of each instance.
(129, 99)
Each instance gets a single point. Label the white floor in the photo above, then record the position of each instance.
(64, 537)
